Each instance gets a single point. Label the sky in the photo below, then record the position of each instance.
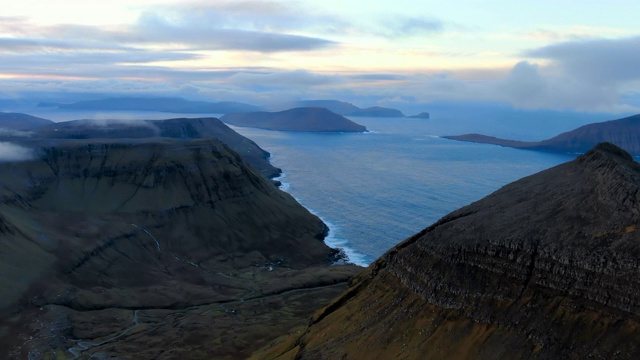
(544, 54)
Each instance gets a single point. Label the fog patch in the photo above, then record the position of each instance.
(15, 133)
(10, 152)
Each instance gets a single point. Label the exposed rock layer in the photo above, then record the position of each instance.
(546, 267)
(180, 128)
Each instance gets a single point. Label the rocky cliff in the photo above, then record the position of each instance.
(545, 268)
(624, 133)
(157, 249)
(180, 128)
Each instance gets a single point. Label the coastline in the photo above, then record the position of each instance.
(332, 239)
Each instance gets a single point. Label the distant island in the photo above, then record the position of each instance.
(180, 105)
(19, 121)
(624, 133)
(422, 115)
(342, 108)
(312, 119)
(162, 104)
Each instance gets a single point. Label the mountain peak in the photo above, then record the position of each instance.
(605, 149)
(514, 275)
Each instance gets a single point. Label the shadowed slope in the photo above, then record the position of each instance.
(100, 237)
(544, 268)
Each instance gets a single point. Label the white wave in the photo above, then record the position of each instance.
(284, 186)
(336, 242)
(333, 241)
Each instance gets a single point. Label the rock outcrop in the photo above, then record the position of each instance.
(545, 268)
(313, 119)
(624, 133)
(153, 249)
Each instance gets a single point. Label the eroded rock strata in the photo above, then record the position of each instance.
(545, 268)
(158, 249)
(178, 128)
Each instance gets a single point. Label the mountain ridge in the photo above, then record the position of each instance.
(624, 132)
(545, 267)
(158, 237)
(177, 128)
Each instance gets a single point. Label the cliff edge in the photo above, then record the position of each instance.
(544, 268)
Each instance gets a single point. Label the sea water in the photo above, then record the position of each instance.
(375, 189)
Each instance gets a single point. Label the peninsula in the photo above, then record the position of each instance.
(624, 133)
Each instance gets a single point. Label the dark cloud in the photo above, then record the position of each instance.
(213, 28)
(527, 87)
(262, 16)
(208, 35)
(603, 60)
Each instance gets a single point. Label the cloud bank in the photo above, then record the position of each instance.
(10, 152)
(173, 50)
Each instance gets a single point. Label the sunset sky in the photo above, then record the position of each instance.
(560, 54)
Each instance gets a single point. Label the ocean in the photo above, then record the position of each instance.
(378, 188)
(375, 189)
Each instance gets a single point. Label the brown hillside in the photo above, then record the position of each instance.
(544, 268)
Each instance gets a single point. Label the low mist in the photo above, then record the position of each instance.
(10, 152)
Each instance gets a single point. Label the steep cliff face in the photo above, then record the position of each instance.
(109, 235)
(546, 267)
(180, 128)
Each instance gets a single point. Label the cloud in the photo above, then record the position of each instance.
(603, 60)
(14, 133)
(10, 152)
(412, 26)
(587, 75)
(282, 79)
(201, 35)
(212, 28)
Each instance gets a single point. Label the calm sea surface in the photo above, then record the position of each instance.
(378, 188)
(375, 189)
